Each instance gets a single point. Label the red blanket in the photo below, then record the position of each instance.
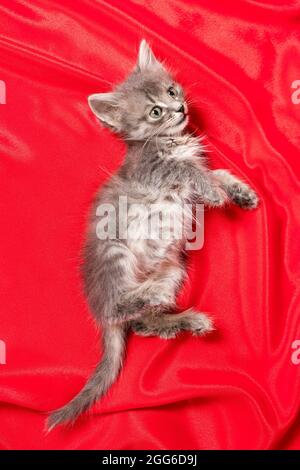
(237, 388)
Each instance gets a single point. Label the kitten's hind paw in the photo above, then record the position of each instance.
(168, 326)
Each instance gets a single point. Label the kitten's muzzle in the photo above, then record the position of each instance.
(183, 111)
(182, 108)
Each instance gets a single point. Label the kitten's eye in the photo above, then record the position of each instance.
(172, 92)
(156, 112)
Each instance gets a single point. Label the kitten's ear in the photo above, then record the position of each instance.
(146, 58)
(105, 107)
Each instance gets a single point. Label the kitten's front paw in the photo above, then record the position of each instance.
(242, 195)
(198, 323)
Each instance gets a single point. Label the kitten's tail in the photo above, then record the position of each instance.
(103, 377)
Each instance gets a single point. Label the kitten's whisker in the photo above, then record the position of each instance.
(156, 132)
(196, 101)
(105, 170)
(187, 87)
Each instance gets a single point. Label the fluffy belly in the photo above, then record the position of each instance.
(160, 222)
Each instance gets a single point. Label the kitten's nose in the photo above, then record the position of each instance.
(180, 109)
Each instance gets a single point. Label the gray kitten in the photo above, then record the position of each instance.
(131, 283)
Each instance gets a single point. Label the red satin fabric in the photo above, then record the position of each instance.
(237, 388)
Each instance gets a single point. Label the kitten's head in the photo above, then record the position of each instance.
(148, 103)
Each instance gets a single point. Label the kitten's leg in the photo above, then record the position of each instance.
(157, 293)
(212, 194)
(169, 325)
(109, 271)
(238, 192)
